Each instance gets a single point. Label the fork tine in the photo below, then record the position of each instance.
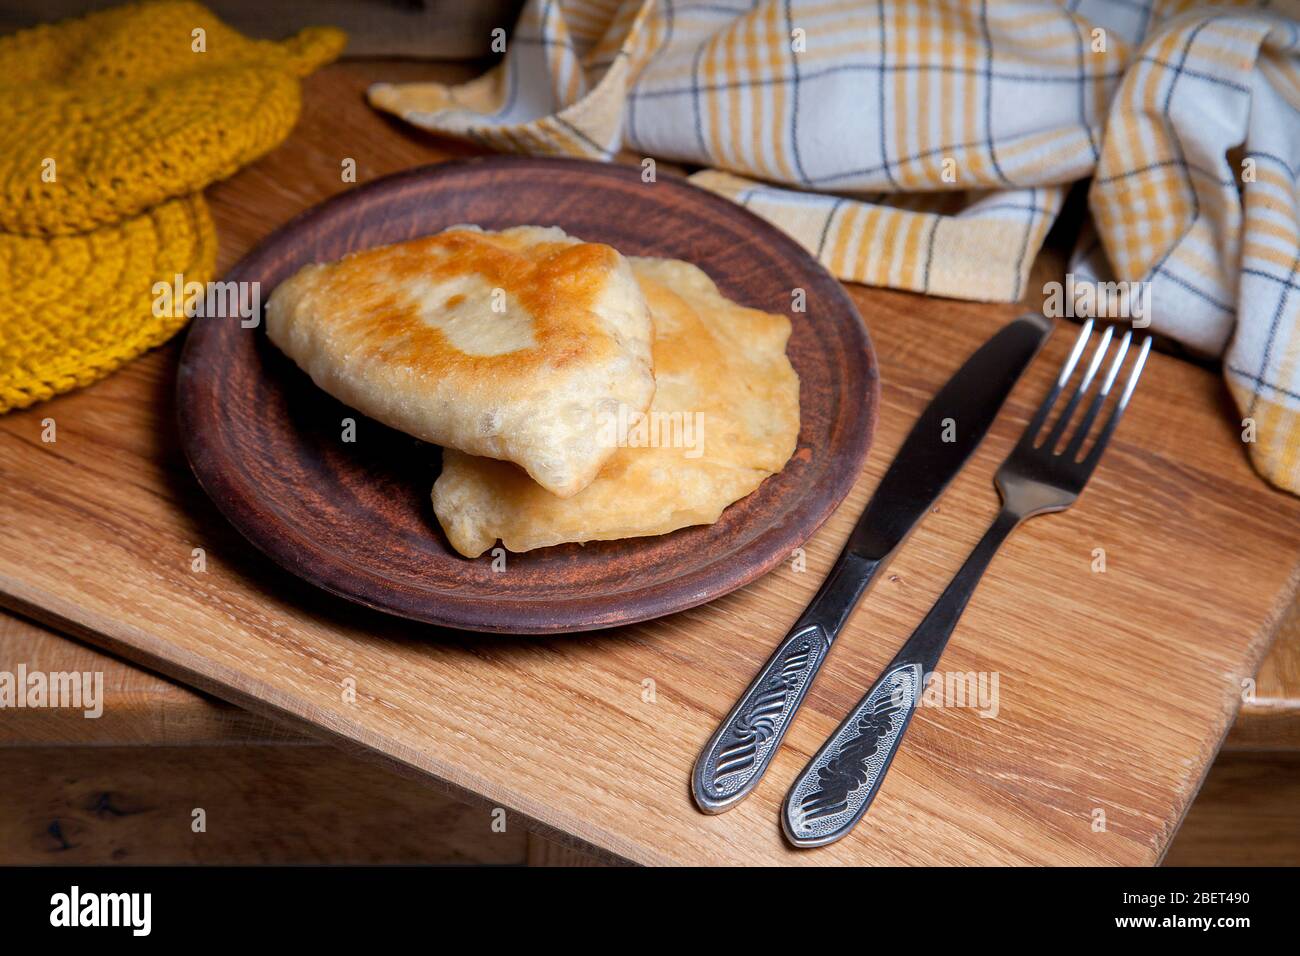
(1103, 436)
(1035, 426)
(1080, 390)
(1085, 426)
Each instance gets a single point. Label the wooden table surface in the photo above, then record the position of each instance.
(1115, 688)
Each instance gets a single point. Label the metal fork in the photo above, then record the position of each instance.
(1039, 476)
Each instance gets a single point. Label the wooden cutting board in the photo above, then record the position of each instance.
(1115, 688)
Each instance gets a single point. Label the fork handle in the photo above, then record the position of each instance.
(738, 753)
(835, 789)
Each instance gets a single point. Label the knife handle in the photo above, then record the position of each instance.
(830, 795)
(738, 753)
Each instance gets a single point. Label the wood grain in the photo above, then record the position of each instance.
(1115, 688)
(261, 805)
(1270, 719)
(1247, 814)
(355, 517)
(140, 708)
(87, 808)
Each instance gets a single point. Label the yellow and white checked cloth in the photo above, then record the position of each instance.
(928, 145)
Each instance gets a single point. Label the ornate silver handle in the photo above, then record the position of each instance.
(741, 748)
(738, 753)
(837, 786)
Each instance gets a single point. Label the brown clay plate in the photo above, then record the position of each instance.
(356, 518)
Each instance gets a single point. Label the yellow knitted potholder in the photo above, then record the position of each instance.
(137, 104)
(75, 308)
(109, 126)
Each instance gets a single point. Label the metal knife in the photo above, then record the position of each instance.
(943, 438)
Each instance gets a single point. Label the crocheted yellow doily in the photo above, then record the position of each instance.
(123, 112)
(109, 126)
(75, 308)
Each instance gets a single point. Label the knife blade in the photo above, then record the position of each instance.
(939, 444)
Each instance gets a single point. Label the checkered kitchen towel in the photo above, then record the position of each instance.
(928, 144)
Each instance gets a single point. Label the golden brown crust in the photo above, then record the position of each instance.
(505, 345)
(722, 377)
(556, 283)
